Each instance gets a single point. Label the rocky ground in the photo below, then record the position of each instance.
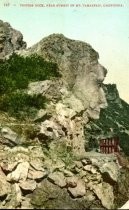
(30, 178)
(43, 160)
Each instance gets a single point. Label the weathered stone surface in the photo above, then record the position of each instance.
(37, 164)
(64, 112)
(13, 199)
(121, 195)
(32, 174)
(76, 66)
(18, 193)
(18, 149)
(104, 192)
(57, 178)
(41, 87)
(86, 162)
(20, 173)
(4, 185)
(6, 166)
(82, 174)
(72, 181)
(10, 135)
(52, 165)
(90, 168)
(79, 190)
(10, 40)
(37, 152)
(26, 204)
(67, 173)
(107, 165)
(80, 89)
(112, 169)
(49, 130)
(44, 192)
(50, 196)
(90, 196)
(79, 164)
(28, 185)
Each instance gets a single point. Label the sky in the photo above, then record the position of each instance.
(104, 26)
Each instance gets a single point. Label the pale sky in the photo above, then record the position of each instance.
(106, 29)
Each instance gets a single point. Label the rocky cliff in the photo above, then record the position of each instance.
(80, 91)
(43, 158)
(10, 40)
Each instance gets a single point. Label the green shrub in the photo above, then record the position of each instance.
(18, 71)
(21, 105)
(15, 75)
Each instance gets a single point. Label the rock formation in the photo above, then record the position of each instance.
(10, 40)
(44, 162)
(81, 72)
(80, 91)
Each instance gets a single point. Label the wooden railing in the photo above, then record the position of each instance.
(109, 145)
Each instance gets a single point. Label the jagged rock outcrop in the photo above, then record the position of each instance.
(80, 95)
(10, 40)
(79, 67)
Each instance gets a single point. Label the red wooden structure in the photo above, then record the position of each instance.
(109, 145)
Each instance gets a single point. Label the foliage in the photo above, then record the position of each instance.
(18, 71)
(15, 75)
(21, 104)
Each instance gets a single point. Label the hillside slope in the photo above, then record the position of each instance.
(113, 121)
